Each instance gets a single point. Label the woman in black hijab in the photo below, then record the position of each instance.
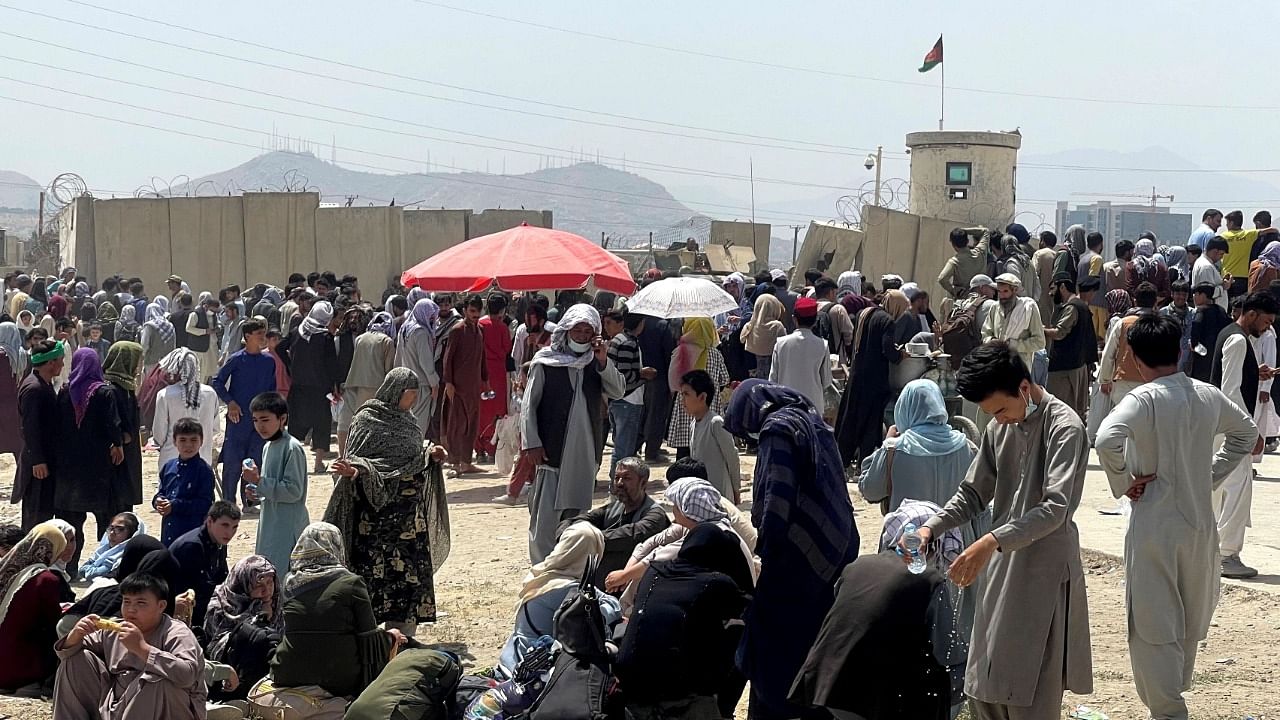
(678, 650)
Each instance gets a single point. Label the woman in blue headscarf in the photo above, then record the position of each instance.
(922, 458)
(807, 536)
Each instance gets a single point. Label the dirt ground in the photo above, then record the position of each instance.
(1236, 674)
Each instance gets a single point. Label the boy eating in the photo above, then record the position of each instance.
(148, 666)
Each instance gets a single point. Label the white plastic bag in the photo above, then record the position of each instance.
(506, 436)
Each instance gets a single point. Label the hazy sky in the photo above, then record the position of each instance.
(1170, 52)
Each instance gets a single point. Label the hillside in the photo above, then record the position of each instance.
(18, 191)
(585, 198)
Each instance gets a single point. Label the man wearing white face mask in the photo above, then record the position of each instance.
(561, 418)
(1031, 469)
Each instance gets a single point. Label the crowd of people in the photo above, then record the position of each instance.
(1049, 350)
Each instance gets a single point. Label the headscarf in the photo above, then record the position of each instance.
(127, 325)
(737, 280)
(1119, 301)
(85, 379)
(58, 306)
(27, 325)
(806, 471)
(156, 320)
(317, 558)
(920, 414)
(107, 313)
(231, 605)
(1143, 260)
(11, 343)
(768, 308)
(317, 320)
(384, 444)
(942, 551)
(1076, 239)
(183, 363)
(33, 554)
(423, 315)
(849, 283)
(1019, 232)
(1176, 258)
(162, 564)
(1271, 255)
(88, 312)
(383, 323)
(896, 303)
(205, 297)
(579, 544)
(696, 498)
(695, 346)
(416, 294)
(121, 366)
(82, 289)
(273, 295)
(910, 290)
(710, 547)
(558, 353)
(105, 601)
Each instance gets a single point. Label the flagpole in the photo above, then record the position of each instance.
(942, 116)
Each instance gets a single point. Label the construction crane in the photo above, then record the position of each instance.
(1152, 198)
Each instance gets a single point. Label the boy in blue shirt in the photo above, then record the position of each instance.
(186, 484)
(247, 374)
(281, 482)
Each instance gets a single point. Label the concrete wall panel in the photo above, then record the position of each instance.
(742, 234)
(822, 239)
(279, 234)
(488, 222)
(132, 238)
(363, 241)
(208, 242)
(427, 232)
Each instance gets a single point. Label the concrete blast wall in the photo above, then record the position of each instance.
(262, 237)
(830, 248)
(742, 234)
(903, 244)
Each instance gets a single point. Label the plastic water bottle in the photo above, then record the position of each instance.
(488, 706)
(914, 544)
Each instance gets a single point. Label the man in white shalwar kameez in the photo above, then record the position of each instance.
(560, 422)
(1237, 372)
(1156, 447)
(1264, 415)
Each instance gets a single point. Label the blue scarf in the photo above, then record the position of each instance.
(921, 418)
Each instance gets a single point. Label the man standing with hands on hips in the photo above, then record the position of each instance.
(1031, 624)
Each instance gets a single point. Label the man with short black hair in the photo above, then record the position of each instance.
(1074, 347)
(1261, 223)
(838, 322)
(1042, 266)
(1240, 244)
(967, 261)
(1205, 270)
(626, 414)
(1032, 477)
(1162, 436)
(1117, 371)
(1211, 220)
(787, 297)
(465, 376)
(202, 555)
(148, 667)
(1236, 372)
(1115, 272)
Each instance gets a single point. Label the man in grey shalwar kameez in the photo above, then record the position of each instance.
(1156, 446)
(562, 395)
(1031, 627)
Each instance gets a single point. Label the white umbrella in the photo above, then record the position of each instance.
(682, 297)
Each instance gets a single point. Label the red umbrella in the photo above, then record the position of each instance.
(522, 258)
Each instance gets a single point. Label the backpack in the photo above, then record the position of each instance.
(823, 329)
(581, 686)
(960, 333)
(418, 684)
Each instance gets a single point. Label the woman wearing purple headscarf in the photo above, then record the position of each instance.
(416, 350)
(91, 446)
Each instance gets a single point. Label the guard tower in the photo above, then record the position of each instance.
(969, 177)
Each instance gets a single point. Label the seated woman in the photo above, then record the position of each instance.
(103, 560)
(921, 458)
(545, 587)
(332, 647)
(888, 647)
(694, 501)
(29, 608)
(243, 625)
(678, 650)
(143, 553)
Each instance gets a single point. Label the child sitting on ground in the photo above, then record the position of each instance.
(281, 482)
(186, 484)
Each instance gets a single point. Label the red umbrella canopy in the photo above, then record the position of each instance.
(522, 258)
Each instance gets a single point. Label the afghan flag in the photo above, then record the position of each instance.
(934, 58)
